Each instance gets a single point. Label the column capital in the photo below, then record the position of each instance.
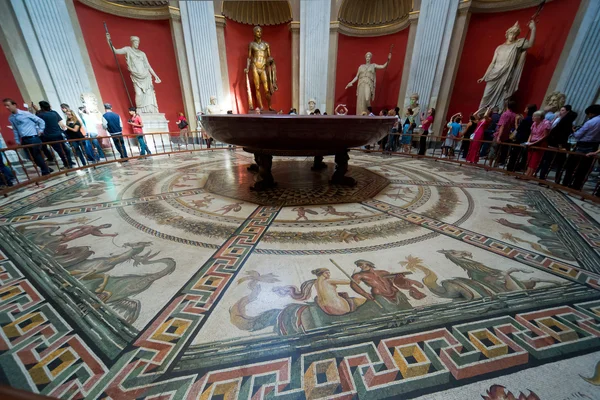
(174, 13)
(294, 26)
(220, 21)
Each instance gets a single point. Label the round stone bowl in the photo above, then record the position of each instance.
(297, 135)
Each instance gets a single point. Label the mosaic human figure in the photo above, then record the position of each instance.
(384, 284)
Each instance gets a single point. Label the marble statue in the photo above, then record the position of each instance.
(312, 106)
(504, 72)
(262, 67)
(415, 107)
(552, 103)
(141, 75)
(214, 108)
(365, 90)
(90, 102)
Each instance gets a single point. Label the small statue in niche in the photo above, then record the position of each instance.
(262, 67)
(365, 91)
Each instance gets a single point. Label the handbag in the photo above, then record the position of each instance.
(183, 124)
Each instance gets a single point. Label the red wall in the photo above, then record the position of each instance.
(486, 32)
(279, 37)
(155, 41)
(351, 54)
(8, 88)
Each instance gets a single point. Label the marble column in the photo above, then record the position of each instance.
(48, 31)
(430, 52)
(220, 23)
(579, 79)
(201, 44)
(182, 63)
(410, 46)
(314, 49)
(295, 29)
(457, 41)
(332, 65)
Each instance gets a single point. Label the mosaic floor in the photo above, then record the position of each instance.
(167, 278)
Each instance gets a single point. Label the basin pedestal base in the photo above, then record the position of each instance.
(264, 164)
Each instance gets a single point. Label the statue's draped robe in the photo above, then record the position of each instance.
(504, 73)
(365, 90)
(139, 68)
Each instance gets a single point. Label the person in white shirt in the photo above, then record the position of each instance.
(91, 123)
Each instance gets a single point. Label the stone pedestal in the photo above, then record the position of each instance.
(154, 122)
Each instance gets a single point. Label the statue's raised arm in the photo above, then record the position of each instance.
(504, 72)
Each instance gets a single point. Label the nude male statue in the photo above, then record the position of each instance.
(262, 67)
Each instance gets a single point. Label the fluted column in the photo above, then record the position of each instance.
(314, 48)
(200, 35)
(432, 42)
(580, 76)
(332, 66)
(49, 34)
(220, 24)
(295, 29)
(182, 63)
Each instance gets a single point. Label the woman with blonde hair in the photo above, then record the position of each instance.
(73, 132)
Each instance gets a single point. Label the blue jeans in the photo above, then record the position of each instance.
(119, 144)
(143, 147)
(89, 149)
(6, 175)
(35, 152)
(77, 149)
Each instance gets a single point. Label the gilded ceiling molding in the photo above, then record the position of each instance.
(258, 12)
(137, 9)
(361, 13)
(373, 17)
(492, 6)
(220, 21)
(373, 31)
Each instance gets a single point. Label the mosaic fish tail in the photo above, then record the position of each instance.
(594, 380)
(237, 312)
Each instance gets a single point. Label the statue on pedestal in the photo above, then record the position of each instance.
(312, 106)
(552, 103)
(213, 108)
(415, 107)
(262, 67)
(365, 91)
(141, 75)
(504, 72)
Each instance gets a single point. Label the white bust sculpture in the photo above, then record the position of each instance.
(141, 75)
(312, 106)
(213, 107)
(365, 91)
(504, 72)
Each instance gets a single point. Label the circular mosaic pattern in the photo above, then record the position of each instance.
(297, 185)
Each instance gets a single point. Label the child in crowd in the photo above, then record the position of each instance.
(407, 130)
(454, 128)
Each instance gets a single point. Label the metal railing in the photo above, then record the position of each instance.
(18, 167)
(508, 158)
(559, 167)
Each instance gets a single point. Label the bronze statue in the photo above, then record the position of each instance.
(262, 66)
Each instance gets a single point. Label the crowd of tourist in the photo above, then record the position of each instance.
(534, 142)
(44, 134)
